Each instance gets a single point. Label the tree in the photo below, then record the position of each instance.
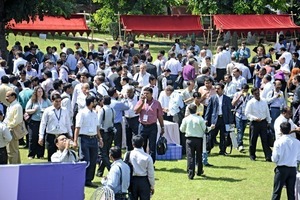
(28, 10)
(106, 14)
(235, 6)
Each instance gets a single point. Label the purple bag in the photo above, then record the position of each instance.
(279, 76)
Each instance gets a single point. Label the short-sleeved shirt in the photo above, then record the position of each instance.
(152, 109)
(87, 121)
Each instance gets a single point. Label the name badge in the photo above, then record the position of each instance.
(57, 127)
(145, 118)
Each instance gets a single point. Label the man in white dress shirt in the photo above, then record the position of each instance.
(238, 79)
(132, 125)
(55, 121)
(230, 87)
(87, 136)
(152, 84)
(286, 153)
(143, 170)
(285, 116)
(175, 67)
(142, 77)
(66, 100)
(268, 86)
(258, 113)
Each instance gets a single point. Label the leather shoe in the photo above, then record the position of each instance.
(252, 158)
(90, 184)
(99, 174)
(223, 154)
(208, 165)
(201, 173)
(268, 160)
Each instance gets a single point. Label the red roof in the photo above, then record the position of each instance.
(162, 24)
(245, 23)
(49, 24)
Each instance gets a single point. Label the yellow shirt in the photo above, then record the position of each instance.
(199, 111)
(14, 115)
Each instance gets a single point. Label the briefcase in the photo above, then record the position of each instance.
(19, 131)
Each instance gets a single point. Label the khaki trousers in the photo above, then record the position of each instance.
(13, 152)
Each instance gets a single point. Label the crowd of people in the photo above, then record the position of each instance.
(73, 98)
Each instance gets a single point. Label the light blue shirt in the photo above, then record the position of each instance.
(118, 107)
(118, 168)
(37, 116)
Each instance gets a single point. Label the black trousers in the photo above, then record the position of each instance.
(132, 129)
(104, 152)
(3, 155)
(118, 135)
(51, 147)
(284, 175)
(140, 188)
(149, 133)
(259, 129)
(219, 126)
(220, 74)
(34, 148)
(194, 148)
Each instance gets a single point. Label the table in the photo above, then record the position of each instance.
(171, 132)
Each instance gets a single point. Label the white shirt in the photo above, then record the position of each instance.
(175, 103)
(87, 121)
(55, 122)
(142, 79)
(17, 62)
(164, 100)
(274, 100)
(5, 135)
(239, 82)
(155, 91)
(76, 92)
(92, 68)
(2, 72)
(142, 165)
(63, 74)
(252, 112)
(220, 61)
(71, 60)
(277, 123)
(286, 151)
(81, 101)
(102, 89)
(288, 57)
(131, 104)
(66, 103)
(230, 89)
(220, 104)
(267, 88)
(174, 65)
(64, 156)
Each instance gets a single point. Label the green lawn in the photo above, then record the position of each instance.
(232, 177)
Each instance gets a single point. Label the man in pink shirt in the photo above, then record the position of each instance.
(149, 111)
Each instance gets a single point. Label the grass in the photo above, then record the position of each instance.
(231, 177)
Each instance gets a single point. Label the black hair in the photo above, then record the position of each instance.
(5, 79)
(27, 83)
(111, 91)
(148, 89)
(115, 152)
(106, 100)
(138, 141)
(89, 99)
(57, 83)
(192, 108)
(55, 96)
(285, 128)
(67, 86)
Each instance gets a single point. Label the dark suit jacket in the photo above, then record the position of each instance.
(212, 111)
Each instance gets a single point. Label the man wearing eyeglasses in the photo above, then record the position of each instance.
(64, 153)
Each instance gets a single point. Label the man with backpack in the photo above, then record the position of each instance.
(118, 178)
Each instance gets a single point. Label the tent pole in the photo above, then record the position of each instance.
(211, 29)
(217, 39)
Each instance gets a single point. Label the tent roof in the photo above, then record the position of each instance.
(245, 23)
(162, 24)
(50, 24)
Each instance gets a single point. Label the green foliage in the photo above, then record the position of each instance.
(235, 6)
(107, 13)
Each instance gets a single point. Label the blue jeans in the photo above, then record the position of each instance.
(240, 126)
(88, 151)
(149, 132)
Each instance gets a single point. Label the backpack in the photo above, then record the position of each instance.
(127, 161)
(161, 145)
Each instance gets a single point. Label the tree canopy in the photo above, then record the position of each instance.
(20, 10)
(106, 14)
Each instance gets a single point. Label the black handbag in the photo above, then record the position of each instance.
(161, 145)
(270, 137)
(179, 82)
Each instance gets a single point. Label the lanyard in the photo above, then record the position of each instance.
(58, 118)
(149, 107)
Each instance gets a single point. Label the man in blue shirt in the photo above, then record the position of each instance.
(119, 107)
(118, 178)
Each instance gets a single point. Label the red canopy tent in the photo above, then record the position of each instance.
(162, 24)
(49, 24)
(254, 23)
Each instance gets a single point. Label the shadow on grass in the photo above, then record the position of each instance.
(228, 167)
(173, 170)
(225, 179)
